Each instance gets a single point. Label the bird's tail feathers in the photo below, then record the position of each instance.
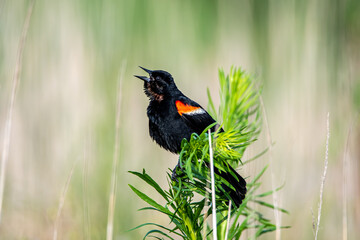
(238, 190)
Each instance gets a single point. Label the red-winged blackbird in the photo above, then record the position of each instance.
(173, 117)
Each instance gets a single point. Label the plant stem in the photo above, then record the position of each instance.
(188, 223)
(212, 188)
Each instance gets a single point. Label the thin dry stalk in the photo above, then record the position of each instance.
(275, 196)
(345, 171)
(212, 187)
(228, 221)
(8, 123)
(62, 201)
(112, 196)
(323, 176)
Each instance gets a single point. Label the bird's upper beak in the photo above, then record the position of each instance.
(146, 70)
(146, 79)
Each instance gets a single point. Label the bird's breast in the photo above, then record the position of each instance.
(167, 128)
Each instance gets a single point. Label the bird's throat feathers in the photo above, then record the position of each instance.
(152, 94)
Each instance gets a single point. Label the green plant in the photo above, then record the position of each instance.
(187, 200)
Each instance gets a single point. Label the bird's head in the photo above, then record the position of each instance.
(158, 85)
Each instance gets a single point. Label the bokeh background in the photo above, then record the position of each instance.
(305, 55)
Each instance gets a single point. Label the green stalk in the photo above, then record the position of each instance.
(192, 232)
(189, 224)
(222, 227)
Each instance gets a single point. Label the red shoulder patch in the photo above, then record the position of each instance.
(184, 108)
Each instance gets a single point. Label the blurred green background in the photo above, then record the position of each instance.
(305, 54)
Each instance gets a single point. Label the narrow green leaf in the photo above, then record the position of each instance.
(259, 175)
(172, 216)
(150, 200)
(211, 107)
(159, 232)
(144, 176)
(157, 225)
(257, 156)
(269, 192)
(270, 206)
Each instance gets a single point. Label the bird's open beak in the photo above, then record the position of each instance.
(146, 79)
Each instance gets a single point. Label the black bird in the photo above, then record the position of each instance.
(173, 117)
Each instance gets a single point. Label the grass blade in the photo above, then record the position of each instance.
(159, 232)
(144, 176)
(150, 200)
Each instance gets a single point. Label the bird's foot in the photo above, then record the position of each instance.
(174, 175)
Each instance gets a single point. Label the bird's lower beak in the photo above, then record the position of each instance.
(146, 79)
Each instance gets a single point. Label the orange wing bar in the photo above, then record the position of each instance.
(184, 108)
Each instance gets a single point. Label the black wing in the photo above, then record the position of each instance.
(194, 115)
